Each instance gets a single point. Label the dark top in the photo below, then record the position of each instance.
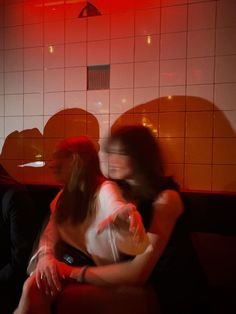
(177, 277)
(18, 229)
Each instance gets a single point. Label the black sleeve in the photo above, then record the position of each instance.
(23, 228)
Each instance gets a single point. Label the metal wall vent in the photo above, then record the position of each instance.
(89, 10)
(98, 77)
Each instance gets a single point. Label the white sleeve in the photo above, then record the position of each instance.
(113, 202)
(111, 198)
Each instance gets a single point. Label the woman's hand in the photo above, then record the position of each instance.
(126, 216)
(68, 272)
(46, 274)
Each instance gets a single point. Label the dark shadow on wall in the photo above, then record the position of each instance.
(25, 155)
(195, 137)
(193, 134)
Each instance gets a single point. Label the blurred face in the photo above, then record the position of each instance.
(61, 166)
(120, 166)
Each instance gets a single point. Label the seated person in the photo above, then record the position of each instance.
(18, 229)
(73, 236)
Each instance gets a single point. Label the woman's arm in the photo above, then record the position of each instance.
(167, 208)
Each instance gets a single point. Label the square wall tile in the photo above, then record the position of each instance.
(196, 38)
(98, 102)
(225, 95)
(75, 30)
(33, 12)
(54, 33)
(75, 54)
(13, 37)
(226, 13)
(2, 31)
(224, 178)
(75, 79)
(200, 70)
(54, 80)
(172, 149)
(1, 130)
(172, 72)
(172, 98)
(122, 25)
(54, 56)
(117, 120)
(33, 104)
(198, 150)
(202, 15)
(53, 102)
(225, 123)
(2, 54)
(225, 72)
(176, 171)
(200, 97)
(72, 9)
(33, 58)
(76, 99)
(172, 2)
(102, 55)
(121, 6)
(54, 128)
(103, 121)
(147, 22)
(146, 94)
(33, 81)
(93, 127)
(14, 60)
(30, 40)
(13, 105)
(99, 28)
(146, 74)
(149, 107)
(13, 124)
(173, 45)
(75, 125)
(2, 81)
(32, 122)
(146, 48)
(198, 177)
(1, 105)
(122, 75)
(122, 50)
(225, 41)
(14, 83)
(53, 12)
(172, 124)
(13, 14)
(147, 4)
(199, 124)
(174, 19)
(121, 100)
(149, 120)
(224, 151)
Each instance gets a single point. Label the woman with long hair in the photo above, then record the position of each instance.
(73, 239)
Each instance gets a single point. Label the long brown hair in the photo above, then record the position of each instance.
(77, 199)
(140, 145)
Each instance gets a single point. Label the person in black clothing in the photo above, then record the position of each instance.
(135, 163)
(18, 229)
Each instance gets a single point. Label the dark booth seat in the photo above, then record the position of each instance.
(212, 224)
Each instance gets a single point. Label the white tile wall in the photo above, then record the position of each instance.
(172, 67)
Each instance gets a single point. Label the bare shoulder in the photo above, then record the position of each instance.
(169, 201)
